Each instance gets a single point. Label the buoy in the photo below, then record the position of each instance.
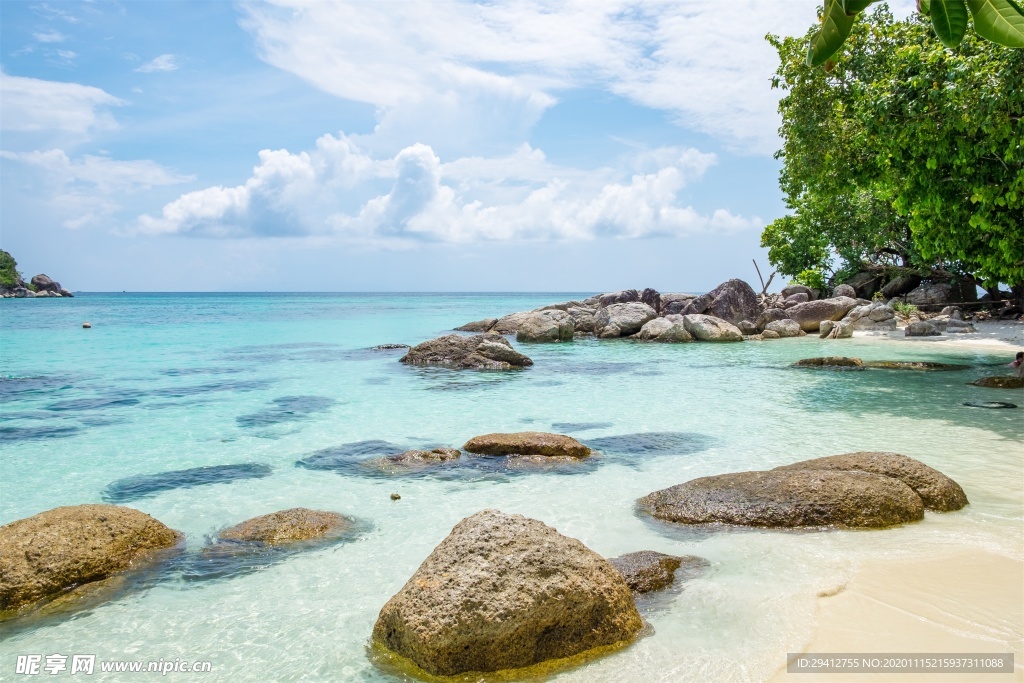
(395, 496)
(87, 325)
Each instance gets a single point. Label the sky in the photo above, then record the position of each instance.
(578, 145)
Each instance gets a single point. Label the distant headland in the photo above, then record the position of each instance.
(13, 285)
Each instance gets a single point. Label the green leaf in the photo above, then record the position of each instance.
(1001, 21)
(949, 19)
(835, 29)
(924, 7)
(857, 6)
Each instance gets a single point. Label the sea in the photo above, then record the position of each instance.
(287, 390)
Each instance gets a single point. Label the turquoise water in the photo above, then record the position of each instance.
(166, 382)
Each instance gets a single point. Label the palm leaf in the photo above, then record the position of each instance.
(835, 29)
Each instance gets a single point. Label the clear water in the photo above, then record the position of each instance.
(167, 382)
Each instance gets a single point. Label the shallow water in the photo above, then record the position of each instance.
(165, 383)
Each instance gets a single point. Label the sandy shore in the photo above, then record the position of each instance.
(990, 335)
(968, 602)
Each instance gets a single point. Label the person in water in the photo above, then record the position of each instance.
(1018, 364)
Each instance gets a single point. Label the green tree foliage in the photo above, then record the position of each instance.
(905, 153)
(9, 276)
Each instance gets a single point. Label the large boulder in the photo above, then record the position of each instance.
(835, 329)
(731, 301)
(799, 289)
(710, 328)
(480, 352)
(287, 526)
(582, 319)
(770, 315)
(845, 290)
(551, 325)
(794, 299)
(626, 296)
(622, 319)
(921, 328)
(504, 592)
(671, 328)
(647, 570)
(652, 298)
(527, 443)
(873, 316)
(936, 294)
(1003, 382)
(865, 284)
(675, 302)
(484, 325)
(43, 283)
(509, 324)
(811, 313)
(900, 285)
(785, 328)
(789, 498)
(55, 551)
(937, 491)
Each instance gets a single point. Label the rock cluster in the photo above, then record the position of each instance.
(856, 490)
(504, 592)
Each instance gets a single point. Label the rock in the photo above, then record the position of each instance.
(527, 443)
(624, 297)
(411, 461)
(829, 362)
(509, 324)
(545, 326)
(66, 293)
(668, 329)
(61, 549)
(912, 365)
(652, 298)
(770, 334)
(395, 496)
(746, 327)
(710, 328)
(484, 325)
(933, 294)
(731, 301)
(622, 319)
(646, 570)
(789, 498)
(845, 290)
(810, 314)
(482, 352)
(22, 293)
(505, 592)
(797, 298)
(865, 284)
(1006, 382)
(675, 302)
(389, 347)
(564, 306)
(287, 526)
(955, 326)
(873, 316)
(770, 315)
(784, 328)
(954, 312)
(921, 329)
(835, 329)
(42, 283)
(900, 285)
(798, 289)
(582, 319)
(937, 491)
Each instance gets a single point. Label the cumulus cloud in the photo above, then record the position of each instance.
(161, 64)
(32, 105)
(341, 192)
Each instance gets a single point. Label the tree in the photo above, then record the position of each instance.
(906, 153)
(9, 275)
(1000, 21)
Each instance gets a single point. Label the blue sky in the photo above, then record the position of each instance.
(390, 146)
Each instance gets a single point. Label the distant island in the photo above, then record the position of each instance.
(13, 285)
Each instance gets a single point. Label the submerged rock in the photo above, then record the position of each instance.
(62, 549)
(527, 443)
(789, 498)
(140, 486)
(710, 328)
(937, 491)
(622, 319)
(505, 592)
(646, 570)
(912, 365)
(551, 325)
(829, 362)
(287, 526)
(1007, 382)
(480, 352)
(413, 460)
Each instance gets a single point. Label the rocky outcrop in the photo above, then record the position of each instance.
(873, 316)
(287, 526)
(845, 290)
(1006, 382)
(710, 328)
(675, 302)
(921, 328)
(504, 592)
(787, 499)
(527, 443)
(626, 296)
(829, 362)
(484, 325)
(731, 301)
(810, 314)
(646, 570)
(835, 329)
(551, 325)
(671, 328)
(937, 491)
(61, 549)
(480, 352)
(785, 328)
(622, 319)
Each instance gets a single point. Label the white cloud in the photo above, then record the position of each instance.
(31, 104)
(163, 63)
(338, 191)
(50, 37)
